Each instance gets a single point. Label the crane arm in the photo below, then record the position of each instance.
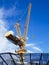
(27, 22)
(17, 26)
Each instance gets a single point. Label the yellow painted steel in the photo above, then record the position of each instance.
(8, 33)
(21, 51)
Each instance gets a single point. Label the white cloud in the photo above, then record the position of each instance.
(27, 45)
(5, 45)
(34, 49)
(37, 49)
(12, 12)
(27, 38)
(1, 13)
(3, 30)
(29, 51)
(11, 48)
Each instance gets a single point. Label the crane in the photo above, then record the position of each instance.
(21, 41)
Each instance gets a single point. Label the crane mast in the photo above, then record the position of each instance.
(27, 21)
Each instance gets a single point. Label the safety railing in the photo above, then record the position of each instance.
(29, 59)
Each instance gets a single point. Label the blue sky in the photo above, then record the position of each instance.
(38, 34)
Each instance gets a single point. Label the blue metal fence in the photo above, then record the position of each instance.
(29, 59)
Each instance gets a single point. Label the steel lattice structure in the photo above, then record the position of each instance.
(30, 59)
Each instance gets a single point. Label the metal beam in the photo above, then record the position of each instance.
(30, 59)
(21, 59)
(27, 21)
(12, 59)
(40, 60)
(3, 60)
